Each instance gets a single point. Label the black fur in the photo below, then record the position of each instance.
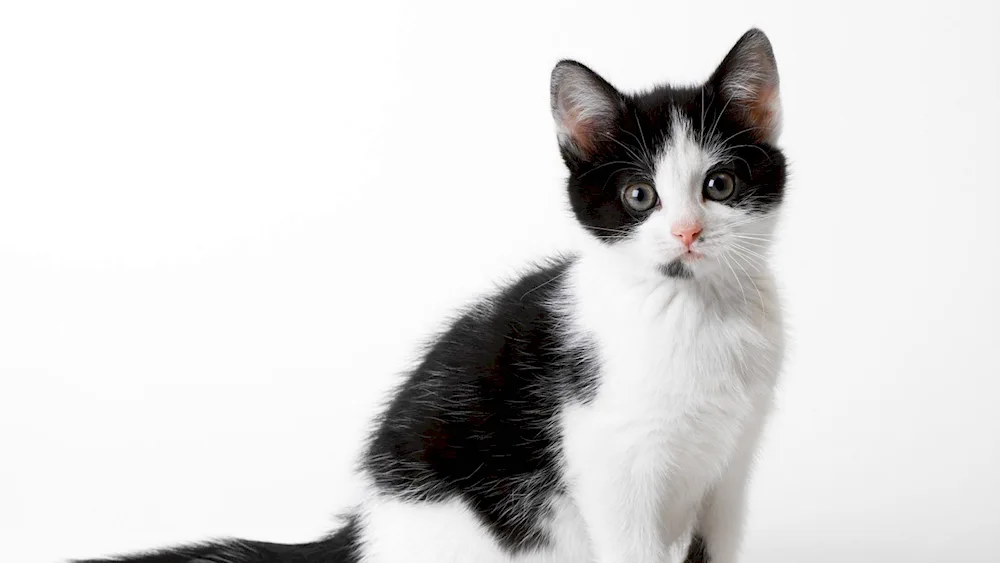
(697, 551)
(341, 547)
(677, 269)
(475, 420)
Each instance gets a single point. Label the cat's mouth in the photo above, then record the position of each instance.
(680, 267)
(691, 256)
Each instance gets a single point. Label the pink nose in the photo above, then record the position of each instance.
(687, 232)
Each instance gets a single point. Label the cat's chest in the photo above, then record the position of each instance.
(668, 359)
(675, 388)
(681, 359)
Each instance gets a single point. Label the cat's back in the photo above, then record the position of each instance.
(472, 429)
(498, 359)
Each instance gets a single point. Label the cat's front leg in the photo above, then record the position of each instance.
(718, 532)
(614, 489)
(619, 516)
(718, 529)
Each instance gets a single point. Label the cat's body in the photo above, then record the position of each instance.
(606, 407)
(660, 401)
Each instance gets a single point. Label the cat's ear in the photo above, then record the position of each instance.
(585, 107)
(748, 82)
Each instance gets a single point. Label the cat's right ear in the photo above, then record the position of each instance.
(748, 79)
(584, 106)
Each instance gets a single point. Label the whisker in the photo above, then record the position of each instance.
(757, 262)
(630, 166)
(748, 220)
(737, 278)
(641, 144)
(645, 147)
(629, 150)
(755, 249)
(750, 238)
(755, 236)
(737, 134)
(755, 147)
(759, 296)
(732, 157)
(701, 129)
(757, 241)
(719, 117)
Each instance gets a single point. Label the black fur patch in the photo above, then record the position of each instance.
(676, 269)
(697, 552)
(475, 419)
(341, 547)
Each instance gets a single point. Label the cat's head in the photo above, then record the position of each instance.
(684, 182)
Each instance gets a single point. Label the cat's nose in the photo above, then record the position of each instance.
(687, 232)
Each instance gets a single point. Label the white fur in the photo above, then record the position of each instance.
(687, 371)
(686, 381)
(395, 531)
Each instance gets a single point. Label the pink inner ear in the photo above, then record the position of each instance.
(763, 110)
(581, 130)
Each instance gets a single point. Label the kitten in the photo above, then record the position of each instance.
(606, 407)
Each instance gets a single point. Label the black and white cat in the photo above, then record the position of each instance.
(606, 407)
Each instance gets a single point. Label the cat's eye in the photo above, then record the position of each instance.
(719, 186)
(639, 197)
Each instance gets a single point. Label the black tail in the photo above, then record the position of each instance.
(341, 547)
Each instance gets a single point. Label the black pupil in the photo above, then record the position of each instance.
(719, 183)
(639, 195)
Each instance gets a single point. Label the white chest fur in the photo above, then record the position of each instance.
(686, 374)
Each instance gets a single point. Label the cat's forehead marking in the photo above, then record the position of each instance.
(683, 160)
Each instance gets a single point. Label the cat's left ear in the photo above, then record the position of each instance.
(748, 82)
(585, 108)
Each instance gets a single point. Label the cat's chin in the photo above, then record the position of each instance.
(677, 268)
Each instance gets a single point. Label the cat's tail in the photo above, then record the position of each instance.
(341, 547)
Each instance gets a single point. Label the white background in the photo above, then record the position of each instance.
(225, 227)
